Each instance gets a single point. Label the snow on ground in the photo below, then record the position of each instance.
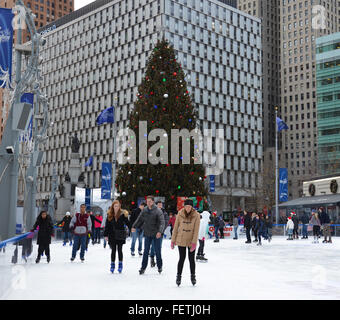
(281, 269)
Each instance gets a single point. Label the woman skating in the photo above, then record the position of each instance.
(115, 233)
(315, 222)
(44, 222)
(185, 236)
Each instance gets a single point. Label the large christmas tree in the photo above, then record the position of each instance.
(164, 102)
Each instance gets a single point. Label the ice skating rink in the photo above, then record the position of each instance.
(281, 269)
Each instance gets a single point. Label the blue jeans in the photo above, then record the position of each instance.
(304, 230)
(147, 244)
(96, 234)
(67, 236)
(235, 232)
(138, 234)
(216, 232)
(82, 240)
(152, 251)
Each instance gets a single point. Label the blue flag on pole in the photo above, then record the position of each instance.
(281, 125)
(88, 198)
(106, 180)
(283, 184)
(89, 162)
(28, 98)
(106, 116)
(6, 46)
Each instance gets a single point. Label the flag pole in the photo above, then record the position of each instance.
(276, 170)
(114, 156)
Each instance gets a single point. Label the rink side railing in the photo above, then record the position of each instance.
(26, 240)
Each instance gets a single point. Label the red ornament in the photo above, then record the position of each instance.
(132, 202)
(157, 191)
(175, 74)
(177, 97)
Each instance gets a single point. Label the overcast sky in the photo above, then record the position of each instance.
(81, 3)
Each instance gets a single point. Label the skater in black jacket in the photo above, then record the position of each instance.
(247, 225)
(44, 222)
(115, 233)
(65, 223)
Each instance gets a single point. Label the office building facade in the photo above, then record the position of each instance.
(96, 57)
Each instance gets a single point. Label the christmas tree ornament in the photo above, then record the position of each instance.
(165, 95)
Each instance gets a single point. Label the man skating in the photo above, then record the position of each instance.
(152, 221)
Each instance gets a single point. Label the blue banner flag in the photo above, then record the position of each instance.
(89, 163)
(29, 98)
(283, 184)
(6, 46)
(212, 184)
(106, 180)
(88, 198)
(281, 124)
(106, 116)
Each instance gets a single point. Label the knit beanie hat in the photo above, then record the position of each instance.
(188, 202)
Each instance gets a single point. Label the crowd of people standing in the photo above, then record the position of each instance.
(147, 224)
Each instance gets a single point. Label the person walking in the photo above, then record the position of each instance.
(45, 226)
(325, 225)
(235, 226)
(215, 221)
(81, 225)
(304, 220)
(247, 225)
(185, 236)
(65, 223)
(115, 233)
(138, 234)
(253, 223)
(221, 225)
(290, 228)
(159, 205)
(295, 220)
(97, 227)
(315, 222)
(152, 221)
(259, 227)
(94, 219)
(201, 236)
(269, 227)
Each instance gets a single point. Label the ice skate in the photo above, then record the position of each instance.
(193, 279)
(152, 262)
(120, 266)
(141, 271)
(178, 280)
(112, 268)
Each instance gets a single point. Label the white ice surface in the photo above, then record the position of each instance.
(281, 269)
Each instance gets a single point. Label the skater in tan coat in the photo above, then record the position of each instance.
(185, 236)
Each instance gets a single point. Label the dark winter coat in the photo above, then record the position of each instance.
(268, 223)
(247, 221)
(115, 230)
(324, 218)
(66, 220)
(152, 221)
(259, 225)
(134, 216)
(45, 229)
(305, 219)
(295, 221)
(215, 221)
